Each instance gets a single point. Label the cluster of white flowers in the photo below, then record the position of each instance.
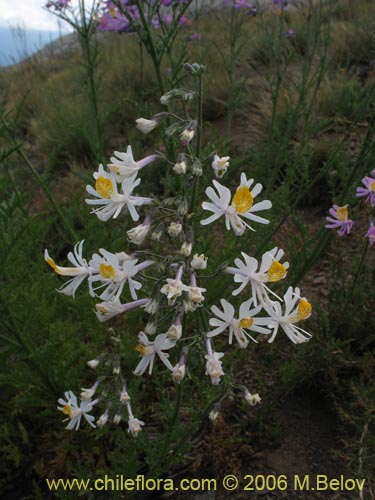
(178, 289)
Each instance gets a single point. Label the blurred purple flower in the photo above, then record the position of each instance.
(369, 189)
(371, 234)
(339, 220)
(194, 37)
(57, 4)
(289, 34)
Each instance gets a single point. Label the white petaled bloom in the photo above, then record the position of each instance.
(138, 234)
(123, 164)
(103, 419)
(78, 273)
(213, 364)
(146, 126)
(117, 419)
(187, 135)
(112, 202)
(108, 310)
(87, 394)
(134, 426)
(152, 306)
(93, 363)
(271, 270)
(186, 249)
(174, 229)
(112, 274)
(252, 399)
(180, 168)
(179, 370)
(297, 308)
(225, 320)
(174, 287)
(69, 406)
(213, 415)
(241, 207)
(124, 396)
(175, 331)
(199, 262)
(148, 351)
(220, 165)
(150, 328)
(195, 292)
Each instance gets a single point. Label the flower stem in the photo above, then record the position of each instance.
(194, 195)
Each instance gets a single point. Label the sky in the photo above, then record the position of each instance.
(29, 14)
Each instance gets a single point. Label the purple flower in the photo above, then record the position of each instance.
(340, 220)
(369, 189)
(194, 37)
(289, 34)
(57, 4)
(371, 234)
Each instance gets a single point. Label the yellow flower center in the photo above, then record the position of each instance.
(107, 271)
(242, 200)
(104, 187)
(276, 272)
(372, 186)
(67, 410)
(304, 309)
(112, 11)
(342, 213)
(246, 322)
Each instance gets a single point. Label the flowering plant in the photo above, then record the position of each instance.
(162, 273)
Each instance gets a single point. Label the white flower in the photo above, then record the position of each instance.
(87, 394)
(134, 426)
(220, 165)
(252, 399)
(271, 270)
(148, 350)
(213, 415)
(180, 168)
(199, 261)
(214, 366)
(186, 249)
(124, 396)
(146, 126)
(110, 309)
(79, 272)
(178, 373)
(138, 234)
(152, 306)
(175, 331)
(174, 288)
(196, 294)
(102, 420)
(187, 135)
(296, 309)
(174, 229)
(123, 164)
(150, 328)
(93, 363)
(117, 419)
(242, 205)
(74, 412)
(112, 273)
(112, 202)
(225, 320)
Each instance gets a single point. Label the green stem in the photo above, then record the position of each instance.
(194, 196)
(40, 181)
(350, 295)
